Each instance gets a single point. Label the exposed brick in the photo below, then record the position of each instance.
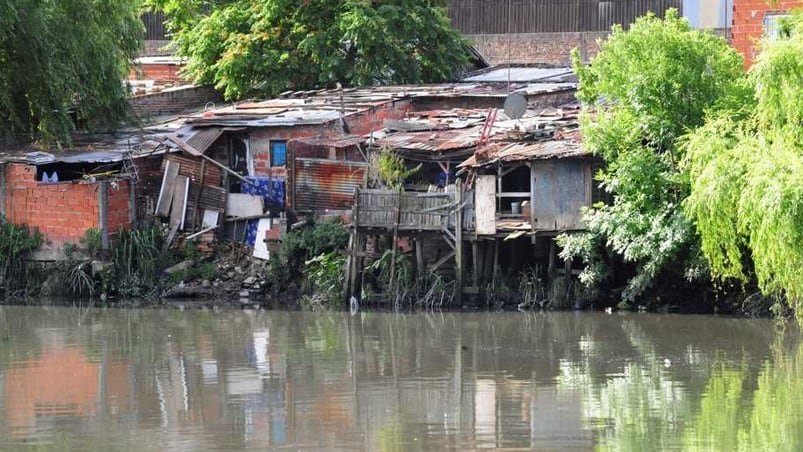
(748, 23)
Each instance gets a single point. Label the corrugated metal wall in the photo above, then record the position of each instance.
(545, 16)
(154, 26)
(322, 184)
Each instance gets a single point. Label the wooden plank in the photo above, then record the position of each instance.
(485, 205)
(210, 218)
(168, 187)
(242, 205)
(178, 210)
(260, 247)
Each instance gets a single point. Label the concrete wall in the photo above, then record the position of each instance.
(748, 23)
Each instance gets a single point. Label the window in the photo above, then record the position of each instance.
(773, 24)
(278, 153)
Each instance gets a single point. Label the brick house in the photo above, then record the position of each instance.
(753, 18)
(64, 194)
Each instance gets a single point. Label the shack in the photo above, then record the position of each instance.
(65, 193)
(524, 185)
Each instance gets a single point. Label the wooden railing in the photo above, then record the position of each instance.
(412, 211)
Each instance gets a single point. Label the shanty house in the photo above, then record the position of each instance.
(65, 193)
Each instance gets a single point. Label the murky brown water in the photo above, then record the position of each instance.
(114, 379)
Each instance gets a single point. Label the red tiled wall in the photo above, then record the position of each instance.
(748, 24)
(62, 211)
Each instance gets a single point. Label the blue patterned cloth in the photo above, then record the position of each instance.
(272, 190)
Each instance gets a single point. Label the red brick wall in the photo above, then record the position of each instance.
(119, 215)
(748, 24)
(158, 72)
(537, 48)
(358, 124)
(62, 211)
(173, 102)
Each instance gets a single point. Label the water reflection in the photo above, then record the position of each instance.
(98, 379)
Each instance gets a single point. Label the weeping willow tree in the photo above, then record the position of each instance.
(746, 173)
(62, 62)
(645, 90)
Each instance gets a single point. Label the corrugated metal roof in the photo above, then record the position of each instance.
(432, 141)
(515, 152)
(336, 142)
(203, 139)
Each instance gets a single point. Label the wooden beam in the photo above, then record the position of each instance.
(442, 261)
(458, 245)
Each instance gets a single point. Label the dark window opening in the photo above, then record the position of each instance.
(65, 172)
(517, 181)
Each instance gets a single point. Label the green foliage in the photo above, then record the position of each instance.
(246, 47)
(392, 170)
(137, 261)
(746, 193)
(645, 90)
(313, 240)
(92, 241)
(407, 290)
(15, 242)
(62, 61)
(325, 277)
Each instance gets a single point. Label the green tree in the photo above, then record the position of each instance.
(247, 47)
(746, 187)
(62, 62)
(644, 91)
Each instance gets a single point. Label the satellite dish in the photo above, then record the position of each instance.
(515, 106)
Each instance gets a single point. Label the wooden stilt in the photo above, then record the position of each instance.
(419, 256)
(458, 246)
(550, 271)
(475, 249)
(496, 259)
(395, 239)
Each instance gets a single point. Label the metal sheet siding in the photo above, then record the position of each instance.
(549, 16)
(559, 194)
(322, 184)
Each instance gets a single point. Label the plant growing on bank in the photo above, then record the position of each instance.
(745, 168)
(644, 91)
(15, 242)
(245, 47)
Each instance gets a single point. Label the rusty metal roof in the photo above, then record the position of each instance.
(523, 151)
(335, 142)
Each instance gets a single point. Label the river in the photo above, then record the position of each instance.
(150, 379)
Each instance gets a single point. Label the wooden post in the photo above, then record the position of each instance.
(3, 190)
(475, 250)
(395, 239)
(458, 246)
(354, 249)
(496, 259)
(551, 267)
(103, 213)
(132, 203)
(197, 218)
(419, 255)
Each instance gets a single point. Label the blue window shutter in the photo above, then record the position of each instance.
(278, 153)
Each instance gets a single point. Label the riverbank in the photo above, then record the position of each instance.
(140, 269)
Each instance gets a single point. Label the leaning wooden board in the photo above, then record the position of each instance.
(168, 187)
